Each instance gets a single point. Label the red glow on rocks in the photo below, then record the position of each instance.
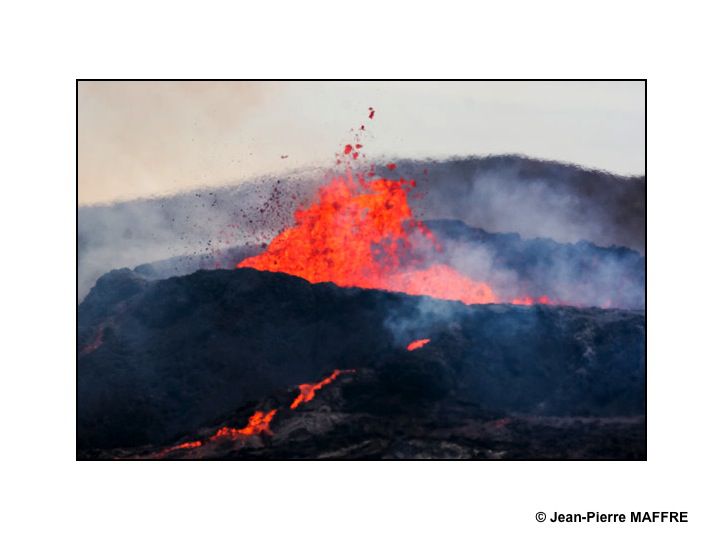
(191, 444)
(307, 391)
(183, 446)
(348, 149)
(529, 301)
(391, 166)
(417, 344)
(96, 342)
(258, 423)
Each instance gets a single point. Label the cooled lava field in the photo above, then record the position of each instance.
(172, 362)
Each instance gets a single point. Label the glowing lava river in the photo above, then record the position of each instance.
(257, 424)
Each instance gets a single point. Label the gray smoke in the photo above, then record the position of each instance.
(537, 199)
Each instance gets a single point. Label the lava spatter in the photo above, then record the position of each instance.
(258, 423)
(417, 344)
(307, 391)
(362, 233)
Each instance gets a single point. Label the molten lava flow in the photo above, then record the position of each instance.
(442, 281)
(191, 444)
(307, 391)
(529, 301)
(183, 446)
(417, 344)
(258, 423)
(363, 234)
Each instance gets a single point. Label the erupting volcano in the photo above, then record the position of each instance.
(391, 306)
(362, 233)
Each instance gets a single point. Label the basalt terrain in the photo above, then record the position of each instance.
(235, 364)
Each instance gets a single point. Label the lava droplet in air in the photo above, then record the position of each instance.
(307, 391)
(418, 343)
(362, 233)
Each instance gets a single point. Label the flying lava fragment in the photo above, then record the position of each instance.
(417, 344)
(361, 232)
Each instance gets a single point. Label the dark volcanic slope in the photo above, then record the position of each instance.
(581, 274)
(159, 360)
(535, 198)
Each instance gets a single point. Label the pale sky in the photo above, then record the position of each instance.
(140, 139)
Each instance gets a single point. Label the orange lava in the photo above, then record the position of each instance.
(307, 391)
(258, 423)
(363, 234)
(191, 444)
(183, 446)
(529, 301)
(418, 343)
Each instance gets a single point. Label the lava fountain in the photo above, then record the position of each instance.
(362, 233)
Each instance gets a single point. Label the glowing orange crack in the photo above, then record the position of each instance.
(307, 391)
(258, 423)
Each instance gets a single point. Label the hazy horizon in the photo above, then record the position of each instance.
(145, 139)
